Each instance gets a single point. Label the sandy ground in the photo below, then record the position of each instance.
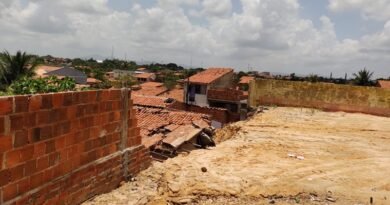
(344, 159)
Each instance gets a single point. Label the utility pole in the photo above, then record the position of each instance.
(112, 53)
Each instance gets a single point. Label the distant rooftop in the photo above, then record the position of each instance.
(246, 79)
(210, 75)
(384, 84)
(151, 101)
(151, 89)
(145, 75)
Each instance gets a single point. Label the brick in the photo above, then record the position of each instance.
(58, 100)
(57, 115)
(37, 180)
(5, 177)
(17, 122)
(68, 99)
(115, 95)
(35, 103)
(21, 104)
(50, 147)
(39, 149)
(54, 158)
(43, 117)
(60, 143)
(42, 133)
(27, 153)
(30, 120)
(13, 158)
(47, 102)
(104, 95)
(2, 125)
(17, 172)
(5, 106)
(5, 143)
(42, 163)
(30, 167)
(21, 138)
(9, 192)
(24, 185)
(92, 96)
(71, 112)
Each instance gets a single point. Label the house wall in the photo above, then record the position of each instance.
(65, 148)
(330, 97)
(225, 81)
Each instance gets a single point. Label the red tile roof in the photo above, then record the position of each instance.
(145, 75)
(150, 89)
(210, 75)
(384, 83)
(246, 79)
(177, 94)
(150, 101)
(150, 119)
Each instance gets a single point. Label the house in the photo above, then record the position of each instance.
(93, 81)
(118, 73)
(197, 86)
(244, 82)
(78, 76)
(384, 84)
(145, 77)
(42, 70)
(214, 88)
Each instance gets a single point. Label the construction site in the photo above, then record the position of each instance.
(302, 143)
(280, 156)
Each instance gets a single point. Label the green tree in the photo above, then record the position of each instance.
(363, 78)
(170, 80)
(17, 66)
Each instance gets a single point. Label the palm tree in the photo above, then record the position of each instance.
(363, 77)
(17, 66)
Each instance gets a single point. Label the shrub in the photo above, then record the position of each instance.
(42, 85)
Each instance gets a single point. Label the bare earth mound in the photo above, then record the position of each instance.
(282, 156)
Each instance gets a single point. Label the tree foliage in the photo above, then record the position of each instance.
(363, 77)
(50, 84)
(13, 67)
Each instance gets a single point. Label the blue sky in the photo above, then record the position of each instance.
(301, 36)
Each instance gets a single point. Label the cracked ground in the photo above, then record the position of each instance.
(281, 156)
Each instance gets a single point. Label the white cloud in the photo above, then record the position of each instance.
(378, 9)
(268, 34)
(217, 8)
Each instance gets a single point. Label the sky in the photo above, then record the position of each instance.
(283, 36)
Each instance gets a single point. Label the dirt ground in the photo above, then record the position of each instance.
(282, 156)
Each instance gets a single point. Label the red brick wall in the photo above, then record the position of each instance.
(65, 148)
(218, 114)
(226, 94)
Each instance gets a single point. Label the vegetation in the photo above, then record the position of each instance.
(125, 81)
(363, 78)
(15, 67)
(170, 80)
(50, 84)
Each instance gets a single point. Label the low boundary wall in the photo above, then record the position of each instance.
(325, 96)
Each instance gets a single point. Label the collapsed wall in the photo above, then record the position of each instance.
(325, 96)
(65, 148)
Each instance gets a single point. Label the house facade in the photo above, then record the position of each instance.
(214, 87)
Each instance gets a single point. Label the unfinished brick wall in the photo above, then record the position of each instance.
(218, 114)
(65, 148)
(326, 96)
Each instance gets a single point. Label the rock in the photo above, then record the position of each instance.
(272, 202)
(204, 169)
(174, 187)
(330, 199)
